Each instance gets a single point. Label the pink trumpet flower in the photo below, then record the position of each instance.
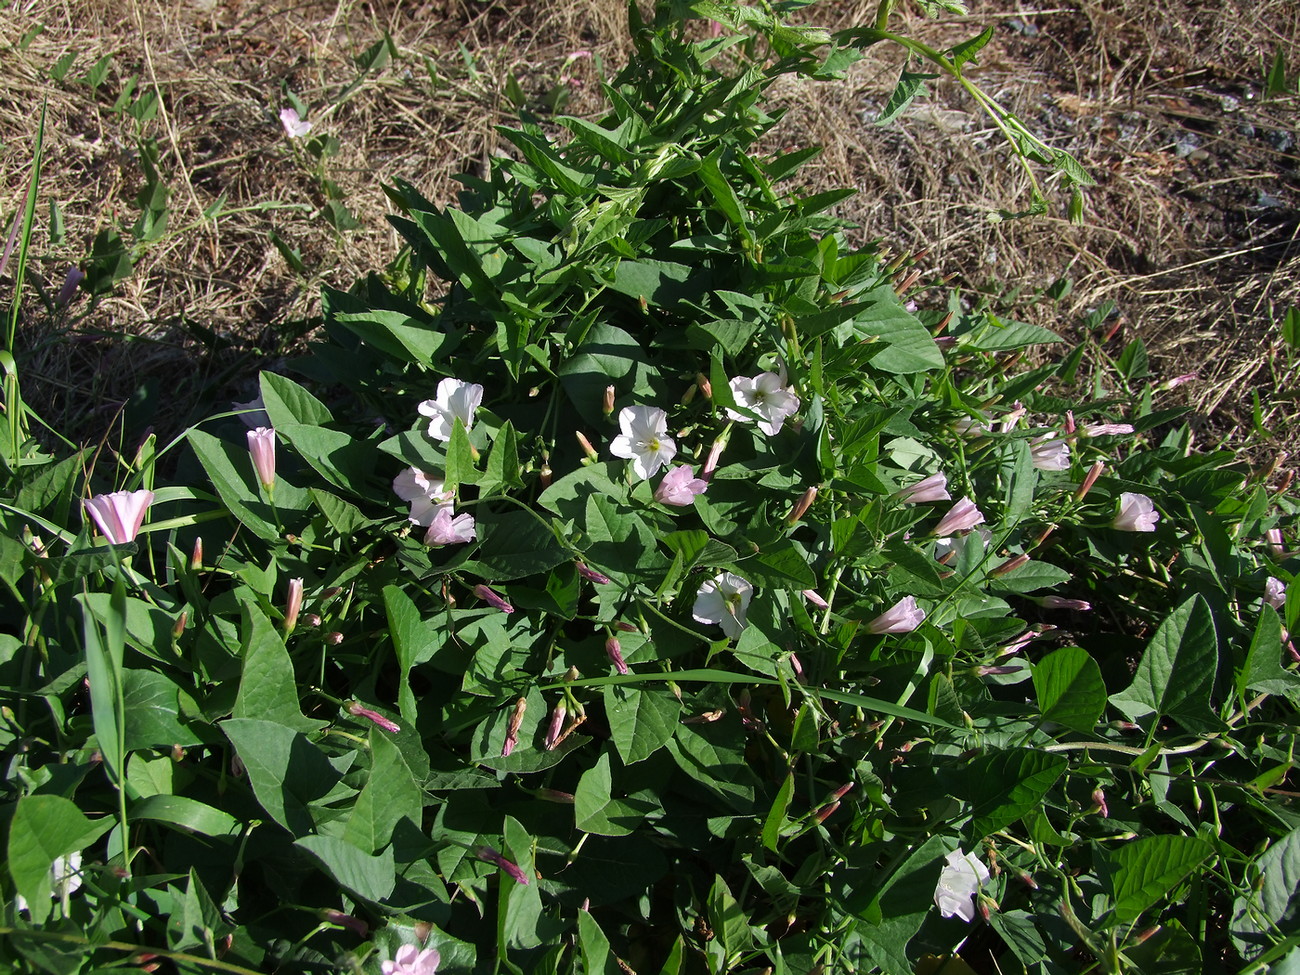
(960, 517)
(120, 514)
(903, 617)
(932, 488)
(679, 487)
(1136, 513)
(261, 444)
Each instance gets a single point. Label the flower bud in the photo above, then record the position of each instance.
(196, 556)
(1059, 602)
(586, 446)
(607, 404)
(490, 855)
(333, 638)
(492, 598)
(556, 725)
(1010, 565)
(591, 575)
(261, 444)
(715, 452)
(824, 813)
(179, 626)
(1089, 480)
(801, 506)
(1099, 803)
(292, 605)
(706, 387)
(615, 652)
(356, 709)
(555, 795)
(512, 728)
(353, 924)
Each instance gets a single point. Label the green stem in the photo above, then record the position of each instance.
(213, 963)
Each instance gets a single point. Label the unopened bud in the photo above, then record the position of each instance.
(626, 627)
(1027, 880)
(1059, 602)
(1089, 480)
(557, 723)
(591, 575)
(706, 387)
(311, 619)
(801, 506)
(354, 924)
(689, 396)
(512, 728)
(607, 405)
(711, 463)
(586, 446)
(1069, 421)
(357, 710)
(196, 555)
(545, 475)
(492, 598)
(1099, 801)
(555, 795)
(179, 626)
(824, 813)
(293, 604)
(178, 753)
(615, 652)
(333, 638)
(997, 671)
(1010, 565)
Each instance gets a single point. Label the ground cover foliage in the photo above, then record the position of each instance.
(671, 593)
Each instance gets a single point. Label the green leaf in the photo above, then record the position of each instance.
(776, 816)
(965, 51)
(268, 688)
(596, 811)
(660, 283)
(390, 795)
(503, 462)
(286, 402)
(1274, 898)
(1177, 670)
(346, 519)
(622, 544)
(287, 771)
(1144, 871)
(909, 347)
(152, 706)
(346, 463)
(1020, 478)
(596, 956)
(641, 720)
(1070, 689)
(104, 650)
(1006, 785)
(910, 84)
(369, 877)
(188, 814)
(413, 641)
(1263, 670)
(516, 544)
(728, 920)
(43, 828)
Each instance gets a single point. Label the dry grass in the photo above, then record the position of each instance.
(1192, 229)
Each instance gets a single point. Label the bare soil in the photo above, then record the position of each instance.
(1191, 230)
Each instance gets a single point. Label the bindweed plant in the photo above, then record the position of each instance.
(646, 584)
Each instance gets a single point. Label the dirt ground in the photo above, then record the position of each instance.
(1191, 230)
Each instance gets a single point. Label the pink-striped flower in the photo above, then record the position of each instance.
(724, 600)
(424, 492)
(932, 488)
(1136, 513)
(294, 127)
(454, 400)
(119, 514)
(1107, 429)
(679, 487)
(410, 960)
(962, 516)
(261, 445)
(490, 855)
(903, 617)
(450, 529)
(643, 439)
(1275, 592)
(766, 396)
(1050, 454)
(814, 597)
